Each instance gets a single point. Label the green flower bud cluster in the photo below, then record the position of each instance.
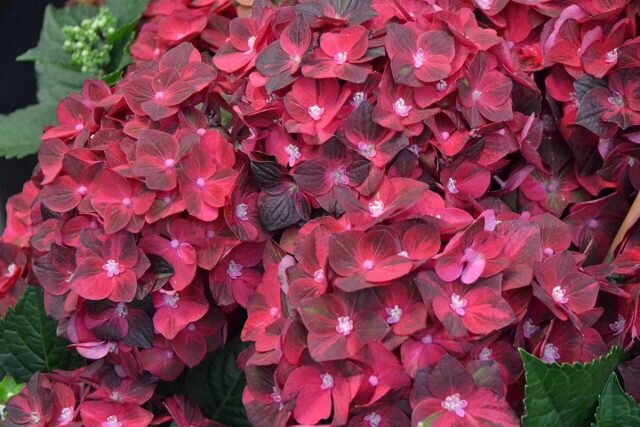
(87, 43)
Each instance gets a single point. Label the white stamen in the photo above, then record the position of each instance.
(367, 264)
(376, 208)
(485, 354)
(427, 339)
(368, 150)
(340, 176)
(612, 56)
(169, 163)
(373, 419)
(401, 108)
(358, 98)
(618, 326)
(122, 310)
(418, 58)
(66, 416)
(475, 95)
(241, 211)
(345, 325)
(251, 42)
(528, 328)
(374, 380)
(318, 276)
(550, 353)
(82, 190)
(458, 304)
(442, 85)
(451, 186)
(327, 381)
(453, 403)
(559, 295)
(234, 270)
(315, 112)
(171, 299)
(112, 267)
(112, 421)
(294, 154)
(395, 313)
(340, 57)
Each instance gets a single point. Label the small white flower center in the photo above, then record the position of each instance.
(631, 161)
(475, 95)
(251, 42)
(340, 57)
(528, 328)
(358, 98)
(415, 149)
(171, 299)
(427, 339)
(174, 243)
(340, 176)
(112, 267)
(115, 395)
(612, 56)
(66, 416)
(374, 380)
(367, 264)
(159, 96)
(294, 154)
(126, 201)
(200, 182)
(112, 421)
(401, 108)
(82, 190)
(395, 313)
(453, 403)
(318, 276)
(618, 326)
(485, 354)
(169, 163)
(327, 381)
(234, 270)
(368, 150)
(35, 418)
(547, 251)
(616, 100)
(79, 127)
(168, 354)
(550, 353)
(418, 58)
(373, 419)
(442, 85)
(210, 234)
(484, 4)
(241, 211)
(451, 186)
(276, 396)
(445, 135)
(345, 325)
(403, 254)
(122, 310)
(458, 304)
(376, 208)
(316, 112)
(559, 295)
(11, 270)
(274, 312)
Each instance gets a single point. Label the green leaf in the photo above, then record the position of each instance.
(616, 408)
(20, 131)
(217, 384)
(126, 11)
(564, 395)
(28, 341)
(9, 388)
(56, 82)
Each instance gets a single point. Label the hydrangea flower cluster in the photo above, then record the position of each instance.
(88, 42)
(399, 194)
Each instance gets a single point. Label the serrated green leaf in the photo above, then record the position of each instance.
(564, 395)
(616, 408)
(9, 388)
(217, 384)
(56, 82)
(20, 131)
(28, 341)
(126, 11)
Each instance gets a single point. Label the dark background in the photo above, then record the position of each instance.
(20, 22)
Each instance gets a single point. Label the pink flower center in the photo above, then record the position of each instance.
(234, 270)
(418, 58)
(458, 304)
(395, 313)
(592, 223)
(274, 312)
(276, 396)
(340, 57)
(327, 381)
(374, 380)
(485, 354)
(340, 177)
(112, 267)
(401, 108)
(168, 354)
(528, 328)
(115, 395)
(548, 251)
(368, 150)
(618, 326)
(318, 276)
(475, 95)
(241, 211)
(373, 419)
(66, 416)
(210, 234)
(367, 264)
(112, 421)
(82, 190)
(345, 325)
(442, 85)
(444, 135)
(126, 201)
(251, 42)
(612, 56)
(171, 299)
(415, 149)
(11, 270)
(159, 96)
(122, 310)
(169, 163)
(550, 353)
(294, 154)
(376, 208)
(315, 112)
(358, 98)
(484, 4)
(79, 127)
(451, 186)
(200, 182)
(559, 295)
(454, 404)
(616, 100)
(191, 327)
(201, 131)
(175, 244)
(427, 339)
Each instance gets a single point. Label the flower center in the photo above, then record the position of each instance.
(442, 85)
(115, 395)
(373, 419)
(340, 176)
(168, 354)
(528, 328)
(191, 327)
(612, 56)
(358, 98)
(122, 310)
(174, 243)
(201, 131)
(458, 304)
(126, 201)
(82, 190)
(210, 234)
(484, 4)
(451, 186)
(340, 57)
(445, 135)
(415, 149)
(550, 353)
(367, 264)
(345, 325)
(485, 354)
(327, 381)
(475, 95)
(169, 163)
(66, 416)
(368, 150)
(401, 108)
(592, 223)
(376, 208)
(315, 112)
(374, 380)
(200, 182)
(112, 268)
(171, 299)
(276, 396)
(631, 161)
(251, 42)
(112, 421)
(11, 270)
(395, 313)
(293, 152)
(618, 326)
(427, 339)
(318, 276)
(241, 211)
(274, 312)
(548, 251)
(453, 403)
(616, 100)
(559, 295)
(418, 58)
(159, 96)
(234, 270)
